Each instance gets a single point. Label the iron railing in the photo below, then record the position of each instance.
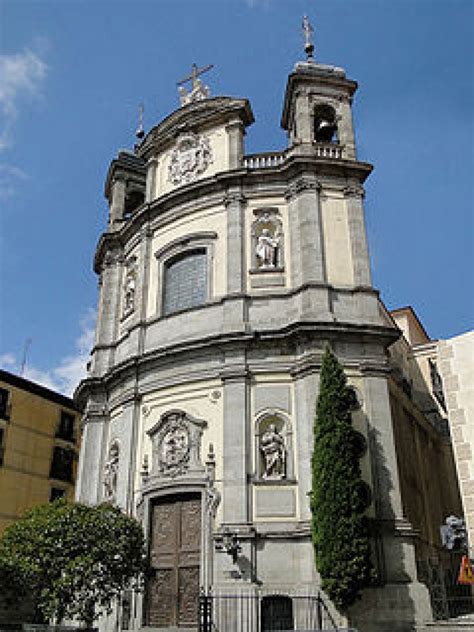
(264, 613)
(439, 572)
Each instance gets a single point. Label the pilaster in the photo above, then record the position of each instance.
(354, 195)
(237, 440)
(117, 203)
(235, 130)
(306, 239)
(235, 205)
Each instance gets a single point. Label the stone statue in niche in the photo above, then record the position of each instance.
(272, 448)
(266, 249)
(111, 472)
(129, 297)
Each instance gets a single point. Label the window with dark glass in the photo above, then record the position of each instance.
(55, 493)
(437, 384)
(185, 281)
(66, 427)
(277, 613)
(61, 465)
(4, 403)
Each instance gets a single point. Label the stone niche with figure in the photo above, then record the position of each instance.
(267, 249)
(274, 466)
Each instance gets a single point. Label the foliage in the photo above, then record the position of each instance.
(73, 559)
(339, 530)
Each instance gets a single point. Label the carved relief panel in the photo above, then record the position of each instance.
(111, 469)
(176, 444)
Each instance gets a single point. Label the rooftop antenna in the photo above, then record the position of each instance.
(25, 352)
(140, 133)
(308, 46)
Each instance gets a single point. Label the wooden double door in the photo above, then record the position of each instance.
(175, 550)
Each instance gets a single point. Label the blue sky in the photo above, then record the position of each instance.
(72, 74)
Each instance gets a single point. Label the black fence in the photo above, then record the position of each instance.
(439, 572)
(264, 613)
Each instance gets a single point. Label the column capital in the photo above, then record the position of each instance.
(303, 184)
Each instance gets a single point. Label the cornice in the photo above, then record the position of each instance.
(193, 117)
(309, 169)
(292, 334)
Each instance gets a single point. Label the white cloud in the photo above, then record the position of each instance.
(21, 74)
(10, 178)
(71, 369)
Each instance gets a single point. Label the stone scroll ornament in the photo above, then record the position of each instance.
(191, 157)
(111, 472)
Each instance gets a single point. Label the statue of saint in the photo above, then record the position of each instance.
(266, 249)
(111, 472)
(273, 450)
(129, 296)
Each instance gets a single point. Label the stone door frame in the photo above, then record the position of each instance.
(160, 491)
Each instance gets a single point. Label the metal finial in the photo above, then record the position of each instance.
(140, 133)
(308, 45)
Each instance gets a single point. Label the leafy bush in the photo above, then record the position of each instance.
(72, 559)
(339, 530)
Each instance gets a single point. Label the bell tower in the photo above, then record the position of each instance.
(317, 108)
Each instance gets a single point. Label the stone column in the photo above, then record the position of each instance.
(117, 203)
(306, 389)
(126, 431)
(151, 177)
(143, 281)
(303, 118)
(237, 441)
(89, 487)
(307, 250)
(354, 195)
(235, 205)
(108, 313)
(235, 131)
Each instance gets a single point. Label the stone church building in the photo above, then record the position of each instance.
(222, 278)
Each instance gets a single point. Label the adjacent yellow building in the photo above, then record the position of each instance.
(39, 444)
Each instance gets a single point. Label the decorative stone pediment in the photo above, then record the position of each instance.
(176, 444)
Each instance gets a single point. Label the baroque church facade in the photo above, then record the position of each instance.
(222, 278)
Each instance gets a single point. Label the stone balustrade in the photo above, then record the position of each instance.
(264, 161)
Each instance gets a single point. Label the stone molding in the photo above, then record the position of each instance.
(302, 185)
(185, 241)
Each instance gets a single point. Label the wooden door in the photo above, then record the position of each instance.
(175, 546)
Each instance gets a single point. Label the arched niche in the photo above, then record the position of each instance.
(273, 439)
(267, 241)
(325, 124)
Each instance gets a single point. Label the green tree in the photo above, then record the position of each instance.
(340, 531)
(72, 559)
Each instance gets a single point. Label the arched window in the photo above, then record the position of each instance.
(325, 125)
(185, 282)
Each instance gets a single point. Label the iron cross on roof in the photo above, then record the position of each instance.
(308, 43)
(193, 77)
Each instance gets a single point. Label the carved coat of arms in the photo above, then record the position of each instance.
(174, 449)
(191, 157)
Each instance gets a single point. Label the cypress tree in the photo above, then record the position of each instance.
(340, 531)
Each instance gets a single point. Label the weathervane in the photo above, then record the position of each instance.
(198, 90)
(308, 46)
